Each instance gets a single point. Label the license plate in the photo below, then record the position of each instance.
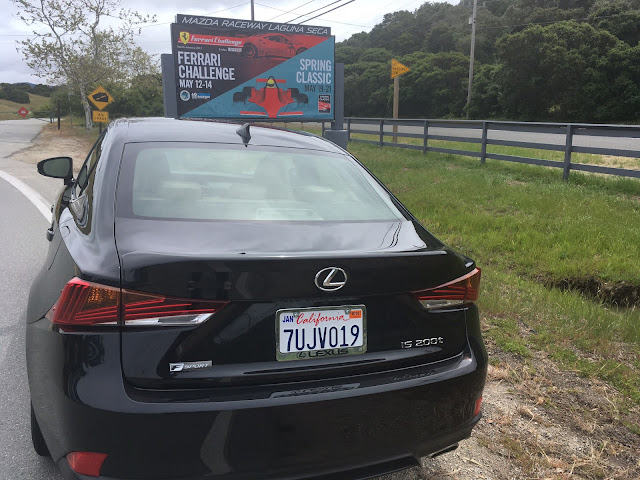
(321, 332)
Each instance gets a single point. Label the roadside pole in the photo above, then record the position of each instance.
(396, 104)
(169, 86)
(70, 112)
(397, 69)
(337, 134)
(472, 53)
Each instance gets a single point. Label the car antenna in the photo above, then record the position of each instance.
(244, 133)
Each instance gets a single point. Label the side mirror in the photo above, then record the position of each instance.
(57, 167)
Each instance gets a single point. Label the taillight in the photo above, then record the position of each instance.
(456, 292)
(478, 407)
(86, 463)
(84, 303)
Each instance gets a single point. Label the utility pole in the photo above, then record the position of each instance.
(473, 52)
(252, 14)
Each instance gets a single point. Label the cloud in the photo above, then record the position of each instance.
(361, 15)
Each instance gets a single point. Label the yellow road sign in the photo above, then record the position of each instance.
(100, 98)
(100, 117)
(397, 68)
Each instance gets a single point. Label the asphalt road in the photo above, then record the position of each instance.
(578, 140)
(22, 250)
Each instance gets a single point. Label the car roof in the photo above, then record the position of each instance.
(158, 129)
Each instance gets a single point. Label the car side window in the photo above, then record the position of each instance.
(87, 171)
(81, 190)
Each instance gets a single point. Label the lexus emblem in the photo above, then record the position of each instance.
(331, 278)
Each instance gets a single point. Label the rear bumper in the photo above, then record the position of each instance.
(381, 423)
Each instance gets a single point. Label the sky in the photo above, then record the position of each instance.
(357, 16)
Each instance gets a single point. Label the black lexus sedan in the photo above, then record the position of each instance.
(243, 302)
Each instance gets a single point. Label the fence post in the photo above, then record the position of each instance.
(348, 129)
(323, 129)
(382, 132)
(483, 156)
(567, 153)
(426, 137)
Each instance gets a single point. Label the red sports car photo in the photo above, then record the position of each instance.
(278, 45)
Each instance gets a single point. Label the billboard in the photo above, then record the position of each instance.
(230, 68)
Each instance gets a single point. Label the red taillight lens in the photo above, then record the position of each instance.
(461, 290)
(476, 411)
(84, 303)
(86, 463)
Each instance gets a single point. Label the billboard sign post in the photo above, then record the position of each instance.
(229, 68)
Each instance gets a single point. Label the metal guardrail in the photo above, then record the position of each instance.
(484, 128)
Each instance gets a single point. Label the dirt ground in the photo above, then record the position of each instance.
(544, 423)
(53, 142)
(539, 422)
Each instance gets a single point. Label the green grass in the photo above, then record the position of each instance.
(523, 224)
(8, 110)
(519, 218)
(558, 156)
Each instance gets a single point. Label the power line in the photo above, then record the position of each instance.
(382, 16)
(554, 21)
(345, 23)
(313, 11)
(323, 13)
(286, 11)
(326, 19)
(211, 13)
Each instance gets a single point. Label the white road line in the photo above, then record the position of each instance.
(33, 196)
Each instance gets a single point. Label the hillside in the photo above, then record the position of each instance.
(8, 110)
(544, 60)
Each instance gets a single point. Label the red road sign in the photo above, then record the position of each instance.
(23, 111)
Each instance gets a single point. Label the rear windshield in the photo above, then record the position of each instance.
(187, 181)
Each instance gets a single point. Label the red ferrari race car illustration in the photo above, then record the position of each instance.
(276, 45)
(271, 97)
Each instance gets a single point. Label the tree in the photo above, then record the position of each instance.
(71, 43)
(367, 89)
(143, 98)
(13, 93)
(619, 19)
(436, 86)
(486, 101)
(546, 69)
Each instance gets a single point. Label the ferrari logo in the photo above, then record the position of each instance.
(184, 37)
